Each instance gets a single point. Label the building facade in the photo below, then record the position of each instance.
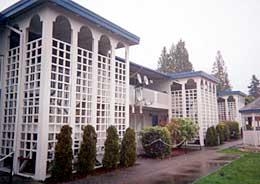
(182, 95)
(229, 103)
(58, 67)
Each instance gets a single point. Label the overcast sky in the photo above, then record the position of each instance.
(231, 26)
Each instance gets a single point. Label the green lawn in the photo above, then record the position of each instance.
(245, 170)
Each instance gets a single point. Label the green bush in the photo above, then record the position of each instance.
(87, 153)
(226, 131)
(128, 148)
(152, 147)
(220, 128)
(62, 168)
(211, 137)
(182, 129)
(112, 148)
(233, 129)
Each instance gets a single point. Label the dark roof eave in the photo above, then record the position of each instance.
(184, 75)
(248, 111)
(75, 8)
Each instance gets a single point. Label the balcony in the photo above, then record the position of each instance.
(149, 98)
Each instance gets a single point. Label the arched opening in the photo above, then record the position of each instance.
(35, 29)
(120, 50)
(62, 29)
(85, 39)
(175, 86)
(231, 99)
(14, 39)
(104, 46)
(190, 84)
(221, 100)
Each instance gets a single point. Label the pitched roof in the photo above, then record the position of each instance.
(229, 92)
(193, 74)
(25, 5)
(253, 107)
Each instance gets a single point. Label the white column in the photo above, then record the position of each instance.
(226, 108)
(199, 112)
(183, 99)
(19, 107)
(4, 51)
(170, 101)
(73, 79)
(94, 80)
(254, 128)
(127, 65)
(42, 143)
(112, 84)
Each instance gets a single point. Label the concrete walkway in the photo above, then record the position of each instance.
(178, 170)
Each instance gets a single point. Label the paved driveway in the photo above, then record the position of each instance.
(178, 170)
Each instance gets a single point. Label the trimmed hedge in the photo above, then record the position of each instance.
(112, 148)
(87, 153)
(158, 148)
(211, 137)
(128, 148)
(233, 129)
(226, 131)
(220, 128)
(62, 168)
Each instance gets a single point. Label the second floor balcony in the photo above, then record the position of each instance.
(149, 98)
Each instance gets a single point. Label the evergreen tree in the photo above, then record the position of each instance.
(181, 56)
(164, 62)
(177, 60)
(220, 72)
(62, 168)
(128, 148)
(254, 87)
(87, 153)
(112, 148)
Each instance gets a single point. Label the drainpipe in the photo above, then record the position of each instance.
(21, 58)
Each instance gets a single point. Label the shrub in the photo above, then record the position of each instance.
(87, 153)
(233, 129)
(226, 131)
(128, 148)
(173, 128)
(182, 129)
(211, 137)
(220, 128)
(111, 156)
(152, 147)
(62, 168)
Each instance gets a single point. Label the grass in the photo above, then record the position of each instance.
(245, 170)
(233, 151)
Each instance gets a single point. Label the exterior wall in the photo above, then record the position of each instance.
(73, 86)
(229, 111)
(198, 103)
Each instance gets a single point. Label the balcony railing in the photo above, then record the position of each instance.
(149, 98)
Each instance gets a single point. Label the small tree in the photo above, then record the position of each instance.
(220, 128)
(87, 153)
(226, 131)
(188, 129)
(111, 156)
(211, 137)
(62, 168)
(128, 148)
(173, 128)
